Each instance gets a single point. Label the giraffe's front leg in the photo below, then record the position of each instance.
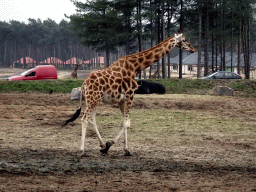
(108, 145)
(126, 125)
(126, 120)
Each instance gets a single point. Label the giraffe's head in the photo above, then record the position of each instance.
(183, 43)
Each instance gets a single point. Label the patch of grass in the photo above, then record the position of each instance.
(163, 126)
(185, 86)
(59, 86)
(245, 88)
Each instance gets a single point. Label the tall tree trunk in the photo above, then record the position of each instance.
(206, 65)
(224, 57)
(169, 18)
(163, 37)
(239, 51)
(221, 57)
(246, 48)
(158, 38)
(216, 40)
(168, 34)
(1, 54)
(212, 53)
(151, 39)
(180, 50)
(139, 29)
(199, 46)
(216, 55)
(232, 37)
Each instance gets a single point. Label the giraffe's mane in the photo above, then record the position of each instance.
(145, 51)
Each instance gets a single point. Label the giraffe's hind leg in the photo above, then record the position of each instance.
(84, 126)
(127, 152)
(93, 122)
(90, 118)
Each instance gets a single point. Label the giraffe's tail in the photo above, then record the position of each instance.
(78, 111)
(74, 117)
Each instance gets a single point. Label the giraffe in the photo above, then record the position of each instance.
(74, 72)
(116, 84)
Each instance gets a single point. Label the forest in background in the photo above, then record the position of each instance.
(115, 28)
(39, 40)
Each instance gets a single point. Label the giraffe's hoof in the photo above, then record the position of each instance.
(104, 151)
(127, 153)
(108, 145)
(84, 155)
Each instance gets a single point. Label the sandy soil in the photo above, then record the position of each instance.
(36, 154)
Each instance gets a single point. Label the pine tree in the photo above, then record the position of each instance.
(97, 23)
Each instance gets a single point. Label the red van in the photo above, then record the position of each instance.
(38, 73)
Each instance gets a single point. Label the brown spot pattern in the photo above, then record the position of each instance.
(102, 82)
(141, 59)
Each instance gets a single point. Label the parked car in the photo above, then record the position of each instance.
(222, 75)
(38, 73)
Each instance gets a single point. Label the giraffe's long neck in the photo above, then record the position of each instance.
(143, 59)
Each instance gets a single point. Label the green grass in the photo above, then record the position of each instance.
(245, 88)
(59, 86)
(163, 126)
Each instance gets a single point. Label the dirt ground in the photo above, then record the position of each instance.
(36, 154)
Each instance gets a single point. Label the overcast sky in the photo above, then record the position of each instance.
(22, 10)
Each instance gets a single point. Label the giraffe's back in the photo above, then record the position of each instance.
(112, 84)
